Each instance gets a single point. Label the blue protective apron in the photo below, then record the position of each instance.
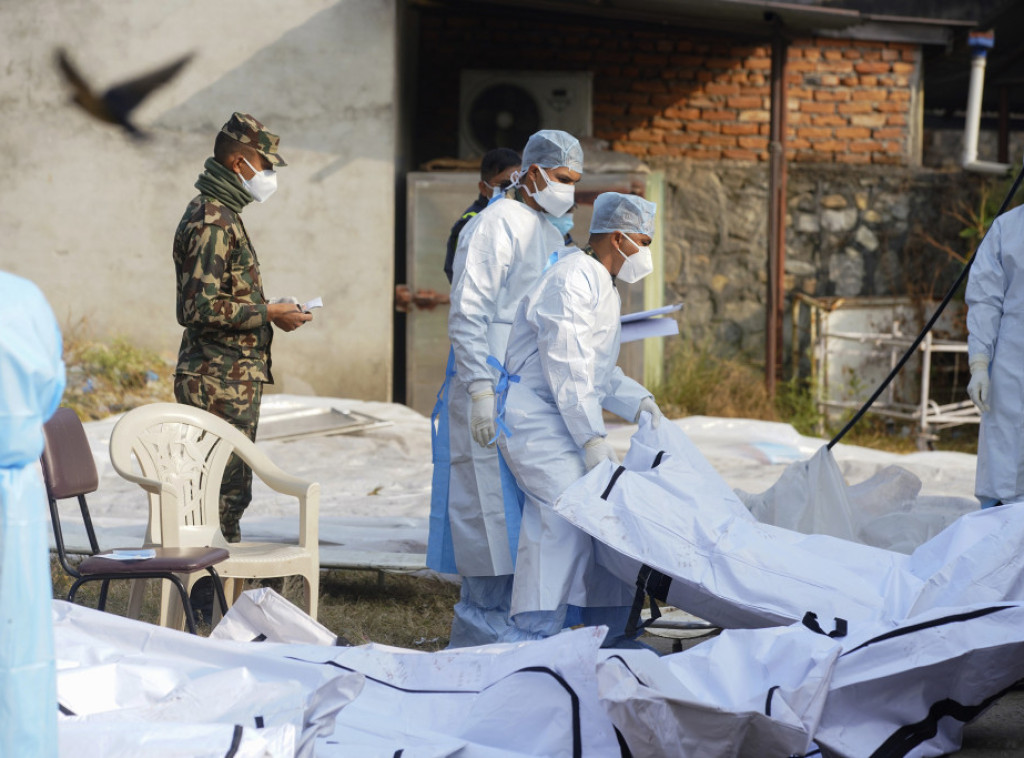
(511, 493)
(440, 550)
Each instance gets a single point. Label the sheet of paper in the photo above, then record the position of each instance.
(653, 312)
(316, 302)
(648, 327)
(131, 554)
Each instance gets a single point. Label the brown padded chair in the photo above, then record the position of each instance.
(70, 471)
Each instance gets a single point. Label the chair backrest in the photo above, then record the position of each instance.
(68, 471)
(187, 449)
(68, 466)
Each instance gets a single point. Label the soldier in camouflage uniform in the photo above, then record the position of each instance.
(224, 359)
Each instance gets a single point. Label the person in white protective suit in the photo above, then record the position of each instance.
(31, 385)
(475, 510)
(995, 346)
(560, 373)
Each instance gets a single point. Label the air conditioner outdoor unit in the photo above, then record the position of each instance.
(503, 108)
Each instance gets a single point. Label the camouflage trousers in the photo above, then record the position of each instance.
(238, 403)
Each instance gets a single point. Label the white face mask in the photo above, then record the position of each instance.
(262, 185)
(556, 198)
(638, 265)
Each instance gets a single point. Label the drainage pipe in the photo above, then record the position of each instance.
(980, 43)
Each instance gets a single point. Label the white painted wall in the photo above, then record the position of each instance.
(90, 216)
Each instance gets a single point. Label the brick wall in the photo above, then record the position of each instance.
(672, 93)
(848, 102)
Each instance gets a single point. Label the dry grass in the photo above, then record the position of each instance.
(699, 382)
(108, 378)
(407, 611)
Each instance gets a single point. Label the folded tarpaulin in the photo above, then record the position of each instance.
(668, 510)
(882, 691)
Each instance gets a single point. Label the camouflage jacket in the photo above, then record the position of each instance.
(220, 296)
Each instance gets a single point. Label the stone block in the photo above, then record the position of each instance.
(800, 268)
(846, 272)
(861, 201)
(839, 220)
(866, 238)
(834, 201)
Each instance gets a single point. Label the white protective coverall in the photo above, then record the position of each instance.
(995, 324)
(31, 385)
(501, 254)
(563, 347)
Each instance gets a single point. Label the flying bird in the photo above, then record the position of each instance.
(116, 104)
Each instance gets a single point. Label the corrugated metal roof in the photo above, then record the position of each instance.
(757, 17)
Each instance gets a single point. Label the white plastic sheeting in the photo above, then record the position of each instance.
(263, 615)
(745, 693)
(126, 688)
(677, 517)
(116, 676)
(886, 510)
(903, 690)
(375, 485)
(909, 690)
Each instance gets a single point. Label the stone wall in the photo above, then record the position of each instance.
(849, 233)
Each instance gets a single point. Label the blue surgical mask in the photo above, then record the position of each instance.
(562, 223)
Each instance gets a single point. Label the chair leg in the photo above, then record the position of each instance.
(136, 597)
(104, 587)
(170, 612)
(218, 587)
(190, 619)
(74, 588)
(311, 592)
(233, 587)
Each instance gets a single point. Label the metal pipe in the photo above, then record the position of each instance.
(980, 43)
(1003, 153)
(776, 210)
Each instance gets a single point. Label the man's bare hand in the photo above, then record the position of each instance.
(287, 316)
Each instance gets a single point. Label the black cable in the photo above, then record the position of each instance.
(927, 327)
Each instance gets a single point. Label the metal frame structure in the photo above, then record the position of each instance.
(928, 414)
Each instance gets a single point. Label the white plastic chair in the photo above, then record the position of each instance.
(182, 452)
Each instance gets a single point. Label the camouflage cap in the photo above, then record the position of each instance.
(249, 131)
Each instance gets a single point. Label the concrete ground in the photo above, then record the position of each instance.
(997, 733)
